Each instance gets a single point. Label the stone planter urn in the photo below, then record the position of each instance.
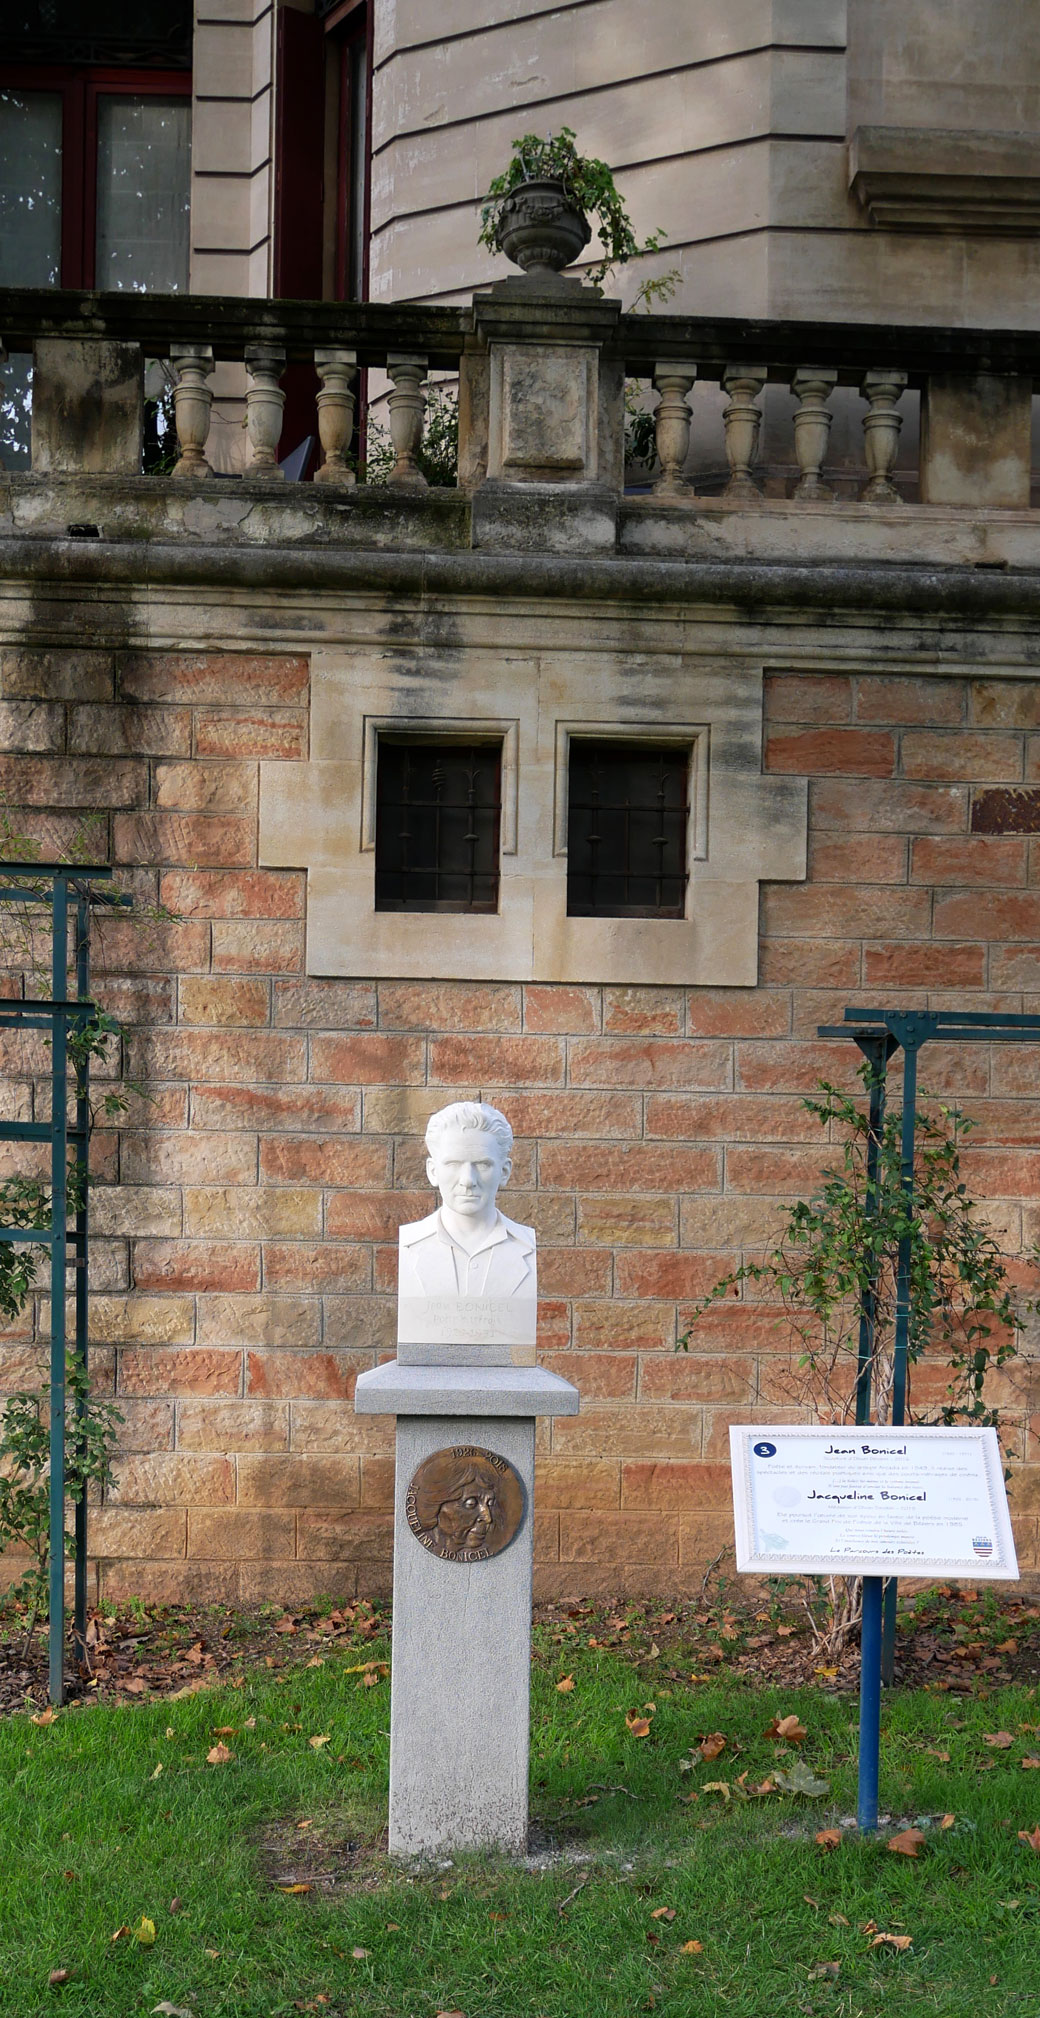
(541, 230)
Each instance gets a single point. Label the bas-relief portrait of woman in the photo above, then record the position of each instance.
(465, 1504)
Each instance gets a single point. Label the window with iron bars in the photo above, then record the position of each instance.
(627, 820)
(438, 817)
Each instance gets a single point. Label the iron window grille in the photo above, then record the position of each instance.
(627, 821)
(438, 820)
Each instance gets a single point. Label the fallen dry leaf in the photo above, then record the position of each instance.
(172, 2011)
(144, 1932)
(1030, 1763)
(828, 1839)
(639, 1726)
(837, 1920)
(908, 1843)
(947, 1821)
(1000, 1740)
(223, 1730)
(120, 1934)
(663, 1913)
(710, 1746)
(692, 1948)
(564, 1688)
(790, 1730)
(1031, 1836)
(451, 2014)
(316, 1743)
(134, 1687)
(899, 1941)
(45, 1717)
(58, 1975)
(157, 1775)
(825, 1972)
(218, 1755)
(718, 1787)
(175, 1905)
(360, 1954)
(936, 1752)
(296, 1888)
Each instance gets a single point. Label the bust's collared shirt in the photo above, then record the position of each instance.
(432, 1263)
(472, 1264)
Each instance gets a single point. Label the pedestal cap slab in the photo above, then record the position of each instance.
(394, 1389)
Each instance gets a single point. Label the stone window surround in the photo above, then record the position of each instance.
(745, 827)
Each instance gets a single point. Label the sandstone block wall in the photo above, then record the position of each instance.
(246, 1209)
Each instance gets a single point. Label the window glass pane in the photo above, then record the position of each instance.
(626, 831)
(144, 161)
(30, 188)
(437, 826)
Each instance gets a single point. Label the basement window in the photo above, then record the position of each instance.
(438, 822)
(627, 820)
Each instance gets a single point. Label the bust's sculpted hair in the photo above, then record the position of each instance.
(474, 1114)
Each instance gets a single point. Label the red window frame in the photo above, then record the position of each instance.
(79, 91)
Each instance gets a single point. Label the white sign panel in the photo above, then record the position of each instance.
(870, 1502)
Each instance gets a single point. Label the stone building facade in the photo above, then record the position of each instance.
(215, 667)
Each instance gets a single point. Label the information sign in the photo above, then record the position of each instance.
(870, 1502)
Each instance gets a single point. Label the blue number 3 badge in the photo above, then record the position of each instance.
(764, 1449)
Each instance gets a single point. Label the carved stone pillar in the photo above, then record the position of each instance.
(265, 403)
(742, 420)
(192, 401)
(407, 405)
(674, 380)
(335, 402)
(881, 428)
(812, 387)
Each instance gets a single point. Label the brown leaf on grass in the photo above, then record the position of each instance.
(692, 1948)
(564, 1688)
(175, 1905)
(901, 1942)
(320, 1739)
(947, 1821)
(639, 1726)
(218, 1755)
(223, 1730)
(718, 1787)
(908, 1843)
(711, 1746)
(785, 1632)
(787, 1730)
(822, 1972)
(45, 1717)
(451, 2014)
(370, 1679)
(663, 1913)
(837, 1920)
(828, 1839)
(367, 1667)
(1000, 1740)
(296, 1888)
(936, 1752)
(121, 1934)
(58, 1975)
(1030, 1763)
(359, 1954)
(134, 1687)
(1031, 1836)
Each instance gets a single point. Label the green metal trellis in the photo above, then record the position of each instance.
(880, 1033)
(68, 891)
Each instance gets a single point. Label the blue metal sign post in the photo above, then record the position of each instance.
(879, 1034)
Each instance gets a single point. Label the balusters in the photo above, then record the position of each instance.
(192, 404)
(881, 426)
(674, 381)
(812, 387)
(336, 370)
(407, 404)
(265, 403)
(742, 419)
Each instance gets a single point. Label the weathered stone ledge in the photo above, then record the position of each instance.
(830, 589)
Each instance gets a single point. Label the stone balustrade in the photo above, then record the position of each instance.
(738, 413)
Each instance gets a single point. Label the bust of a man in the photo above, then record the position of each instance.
(468, 1274)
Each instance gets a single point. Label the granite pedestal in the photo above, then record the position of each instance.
(460, 1675)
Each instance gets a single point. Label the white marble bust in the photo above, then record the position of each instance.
(468, 1275)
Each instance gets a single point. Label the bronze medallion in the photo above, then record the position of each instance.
(465, 1504)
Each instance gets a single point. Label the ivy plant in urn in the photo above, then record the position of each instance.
(538, 211)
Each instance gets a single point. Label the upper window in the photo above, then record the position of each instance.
(627, 819)
(438, 818)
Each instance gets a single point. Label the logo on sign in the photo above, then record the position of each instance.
(982, 1545)
(764, 1449)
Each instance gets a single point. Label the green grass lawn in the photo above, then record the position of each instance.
(109, 1814)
